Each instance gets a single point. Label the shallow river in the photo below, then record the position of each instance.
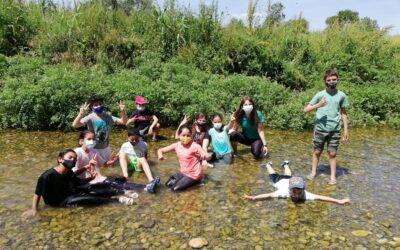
(368, 173)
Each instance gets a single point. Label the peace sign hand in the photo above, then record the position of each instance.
(121, 106)
(84, 109)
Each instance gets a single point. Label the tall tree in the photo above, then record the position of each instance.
(342, 18)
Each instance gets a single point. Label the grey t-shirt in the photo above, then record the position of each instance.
(101, 126)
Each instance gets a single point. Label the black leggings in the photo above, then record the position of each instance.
(94, 194)
(256, 144)
(179, 182)
(120, 184)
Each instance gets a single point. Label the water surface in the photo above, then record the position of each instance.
(368, 173)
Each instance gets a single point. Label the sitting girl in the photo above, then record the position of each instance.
(189, 154)
(220, 140)
(60, 187)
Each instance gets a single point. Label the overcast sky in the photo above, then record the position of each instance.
(386, 12)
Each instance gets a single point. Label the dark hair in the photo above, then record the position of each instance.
(181, 128)
(239, 113)
(218, 115)
(330, 72)
(64, 152)
(133, 131)
(95, 98)
(83, 133)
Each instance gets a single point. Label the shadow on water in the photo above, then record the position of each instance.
(368, 173)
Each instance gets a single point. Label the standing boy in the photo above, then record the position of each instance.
(100, 123)
(331, 115)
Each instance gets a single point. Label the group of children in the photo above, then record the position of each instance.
(77, 179)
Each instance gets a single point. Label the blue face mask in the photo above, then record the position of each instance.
(99, 109)
(90, 143)
(331, 85)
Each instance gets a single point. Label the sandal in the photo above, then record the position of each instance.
(126, 200)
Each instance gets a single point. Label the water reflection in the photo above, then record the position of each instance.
(368, 172)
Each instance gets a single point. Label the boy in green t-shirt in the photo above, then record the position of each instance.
(331, 115)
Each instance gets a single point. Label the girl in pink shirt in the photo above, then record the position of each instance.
(189, 155)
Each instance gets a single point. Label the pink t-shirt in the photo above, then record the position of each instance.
(83, 160)
(189, 159)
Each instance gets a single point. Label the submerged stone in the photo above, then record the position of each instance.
(198, 242)
(360, 233)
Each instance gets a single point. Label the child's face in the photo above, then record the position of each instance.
(217, 119)
(97, 104)
(331, 79)
(201, 121)
(89, 140)
(247, 103)
(141, 106)
(134, 138)
(296, 194)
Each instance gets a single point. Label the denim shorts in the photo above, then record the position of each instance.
(332, 140)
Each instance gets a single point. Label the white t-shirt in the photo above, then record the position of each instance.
(139, 150)
(283, 190)
(83, 159)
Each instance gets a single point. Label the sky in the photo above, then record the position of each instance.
(386, 12)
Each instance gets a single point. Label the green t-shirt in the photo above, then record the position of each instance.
(251, 130)
(329, 118)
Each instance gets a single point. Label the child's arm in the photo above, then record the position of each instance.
(155, 121)
(162, 151)
(34, 210)
(330, 199)
(113, 158)
(345, 126)
(184, 121)
(123, 119)
(79, 122)
(311, 107)
(258, 197)
(262, 137)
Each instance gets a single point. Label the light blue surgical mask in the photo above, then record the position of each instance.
(90, 143)
(248, 108)
(217, 125)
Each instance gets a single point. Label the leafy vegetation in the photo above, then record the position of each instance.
(52, 58)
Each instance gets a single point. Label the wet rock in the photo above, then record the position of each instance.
(360, 233)
(386, 224)
(108, 235)
(198, 242)
(149, 224)
(382, 241)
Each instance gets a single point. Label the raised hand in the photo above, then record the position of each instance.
(84, 109)
(185, 120)
(121, 106)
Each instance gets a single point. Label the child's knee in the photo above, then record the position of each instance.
(332, 154)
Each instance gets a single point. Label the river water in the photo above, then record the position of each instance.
(368, 173)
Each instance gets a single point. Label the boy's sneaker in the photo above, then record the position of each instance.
(266, 165)
(285, 164)
(153, 184)
(126, 200)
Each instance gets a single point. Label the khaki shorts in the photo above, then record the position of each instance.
(332, 140)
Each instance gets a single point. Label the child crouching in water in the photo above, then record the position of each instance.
(190, 155)
(291, 187)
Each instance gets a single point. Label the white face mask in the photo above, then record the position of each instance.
(90, 143)
(247, 108)
(141, 108)
(217, 125)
